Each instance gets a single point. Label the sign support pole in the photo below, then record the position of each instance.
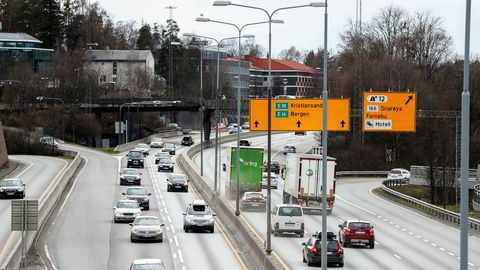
(324, 145)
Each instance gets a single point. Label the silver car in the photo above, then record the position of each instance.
(130, 177)
(157, 143)
(147, 264)
(273, 180)
(126, 210)
(146, 228)
(198, 216)
(142, 147)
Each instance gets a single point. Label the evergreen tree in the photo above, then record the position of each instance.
(144, 41)
(156, 37)
(50, 29)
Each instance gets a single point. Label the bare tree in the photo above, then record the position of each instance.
(292, 54)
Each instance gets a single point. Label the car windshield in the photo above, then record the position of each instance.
(157, 140)
(142, 145)
(331, 244)
(146, 221)
(135, 154)
(290, 211)
(136, 191)
(187, 138)
(395, 172)
(359, 225)
(254, 195)
(169, 145)
(199, 210)
(11, 183)
(165, 161)
(130, 172)
(150, 266)
(178, 178)
(127, 205)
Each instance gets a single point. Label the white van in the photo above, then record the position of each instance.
(287, 218)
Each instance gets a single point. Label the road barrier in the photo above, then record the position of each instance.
(47, 202)
(161, 134)
(429, 208)
(362, 173)
(250, 246)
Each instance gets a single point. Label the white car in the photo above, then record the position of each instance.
(142, 147)
(174, 126)
(235, 130)
(157, 143)
(246, 125)
(150, 264)
(126, 210)
(399, 174)
(146, 228)
(273, 180)
(50, 141)
(287, 218)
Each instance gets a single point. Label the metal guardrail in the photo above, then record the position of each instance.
(429, 208)
(362, 173)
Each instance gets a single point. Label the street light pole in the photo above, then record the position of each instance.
(202, 112)
(268, 248)
(465, 140)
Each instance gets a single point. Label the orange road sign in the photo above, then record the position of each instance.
(299, 114)
(389, 111)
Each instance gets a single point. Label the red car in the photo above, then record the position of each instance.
(356, 232)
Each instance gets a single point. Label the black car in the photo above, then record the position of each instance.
(130, 176)
(274, 166)
(135, 159)
(169, 148)
(139, 194)
(165, 164)
(300, 132)
(187, 140)
(312, 250)
(177, 182)
(12, 188)
(245, 143)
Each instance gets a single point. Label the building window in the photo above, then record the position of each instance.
(114, 68)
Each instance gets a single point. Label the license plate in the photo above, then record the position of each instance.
(178, 186)
(10, 193)
(329, 253)
(289, 224)
(361, 233)
(255, 204)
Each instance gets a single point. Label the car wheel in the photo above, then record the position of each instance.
(161, 240)
(372, 245)
(186, 189)
(23, 195)
(168, 189)
(212, 230)
(143, 166)
(147, 208)
(301, 235)
(345, 244)
(132, 240)
(340, 264)
(309, 263)
(158, 169)
(275, 233)
(115, 220)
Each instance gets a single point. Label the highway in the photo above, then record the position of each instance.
(404, 239)
(37, 174)
(83, 235)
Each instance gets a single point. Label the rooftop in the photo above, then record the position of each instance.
(19, 37)
(278, 64)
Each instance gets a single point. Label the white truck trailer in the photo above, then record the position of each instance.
(303, 182)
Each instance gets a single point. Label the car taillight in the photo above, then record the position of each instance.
(348, 231)
(339, 251)
(372, 231)
(277, 225)
(302, 226)
(313, 248)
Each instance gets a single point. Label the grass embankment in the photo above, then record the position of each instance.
(421, 193)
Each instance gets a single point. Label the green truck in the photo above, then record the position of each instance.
(251, 170)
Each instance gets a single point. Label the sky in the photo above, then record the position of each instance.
(303, 28)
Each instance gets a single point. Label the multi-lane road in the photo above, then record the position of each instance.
(37, 174)
(83, 235)
(404, 239)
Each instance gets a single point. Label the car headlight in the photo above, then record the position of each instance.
(118, 214)
(134, 230)
(129, 159)
(20, 189)
(188, 219)
(138, 213)
(1, 190)
(122, 177)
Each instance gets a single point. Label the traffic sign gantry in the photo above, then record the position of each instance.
(299, 114)
(389, 111)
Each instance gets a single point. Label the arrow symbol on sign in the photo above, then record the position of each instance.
(299, 123)
(408, 100)
(342, 123)
(256, 124)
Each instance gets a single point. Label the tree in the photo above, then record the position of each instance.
(144, 41)
(51, 31)
(291, 54)
(156, 36)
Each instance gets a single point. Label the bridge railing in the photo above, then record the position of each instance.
(431, 209)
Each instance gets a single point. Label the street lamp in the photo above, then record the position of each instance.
(237, 170)
(269, 136)
(219, 42)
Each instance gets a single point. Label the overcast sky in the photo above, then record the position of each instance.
(303, 28)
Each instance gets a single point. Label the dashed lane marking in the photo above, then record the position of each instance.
(396, 256)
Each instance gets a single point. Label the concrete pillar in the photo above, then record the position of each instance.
(3, 148)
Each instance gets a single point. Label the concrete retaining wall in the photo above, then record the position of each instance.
(3, 148)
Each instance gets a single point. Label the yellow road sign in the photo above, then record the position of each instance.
(299, 114)
(389, 111)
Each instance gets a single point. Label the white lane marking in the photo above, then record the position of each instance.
(433, 244)
(171, 241)
(391, 223)
(425, 240)
(386, 220)
(441, 249)
(450, 253)
(183, 268)
(359, 207)
(411, 233)
(48, 257)
(471, 264)
(404, 230)
(174, 254)
(71, 190)
(173, 229)
(169, 220)
(176, 240)
(180, 255)
(379, 216)
(418, 236)
(396, 256)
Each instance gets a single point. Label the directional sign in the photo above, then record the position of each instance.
(299, 114)
(389, 111)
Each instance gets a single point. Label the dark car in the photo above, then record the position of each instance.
(160, 155)
(12, 188)
(289, 149)
(187, 140)
(356, 232)
(169, 148)
(312, 250)
(245, 143)
(130, 177)
(300, 132)
(177, 182)
(139, 194)
(165, 164)
(274, 166)
(135, 159)
(253, 201)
